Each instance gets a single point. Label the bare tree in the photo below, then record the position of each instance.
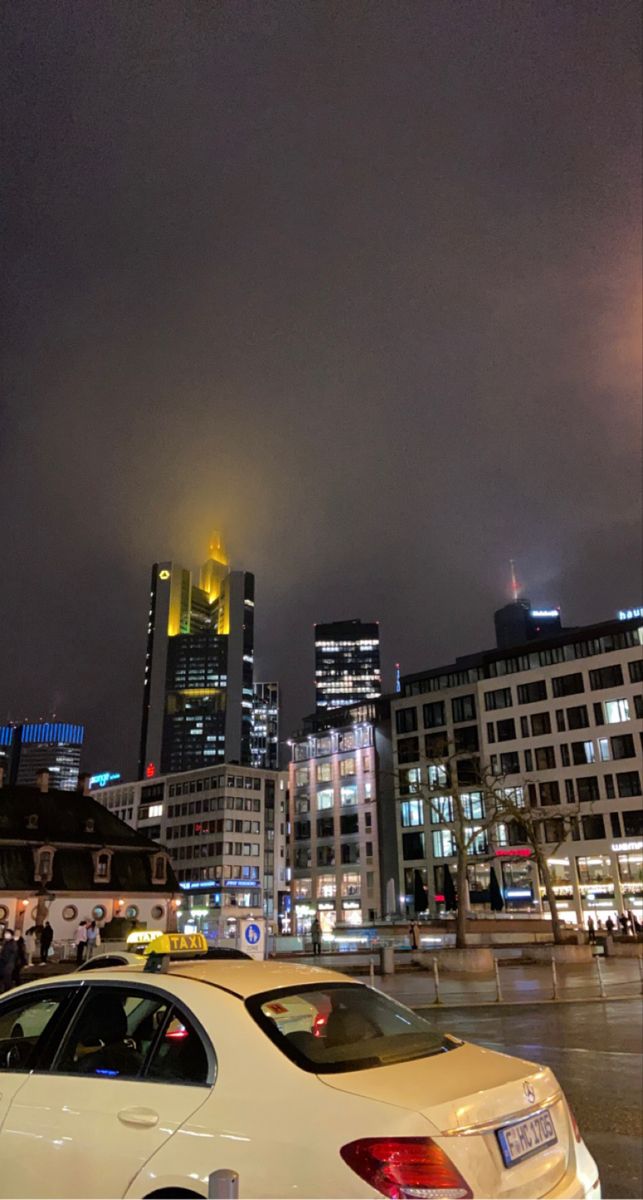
(453, 796)
(462, 792)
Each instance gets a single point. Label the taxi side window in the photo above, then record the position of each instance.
(113, 1033)
(25, 1024)
(179, 1055)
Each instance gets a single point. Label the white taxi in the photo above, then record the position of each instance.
(141, 1083)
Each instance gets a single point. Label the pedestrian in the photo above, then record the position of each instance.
(414, 935)
(93, 939)
(8, 955)
(21, 960)
(638, 928)
(630, 918)
(316, 935)
(591, 929)
(30, 944)
(624, 924)
(46, 938)
(609, 924)
(80, 938)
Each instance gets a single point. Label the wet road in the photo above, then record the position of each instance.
(596, 1051)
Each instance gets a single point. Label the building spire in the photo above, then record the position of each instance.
(515, 589)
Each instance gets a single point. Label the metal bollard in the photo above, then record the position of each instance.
(223, 1185)
(436, 980)
(371, 972)
(554, 979)
(641, 971)
(498, 987)
(601, 981)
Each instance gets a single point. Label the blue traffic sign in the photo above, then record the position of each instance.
(252, 934)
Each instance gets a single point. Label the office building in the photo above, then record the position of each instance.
(264, 741)
(225, 833)
(559, 721)
(342, 818)
(347, 663)
(32, 746)
(197, 698)
(519, 622)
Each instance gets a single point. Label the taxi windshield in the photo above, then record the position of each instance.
(343, 1027)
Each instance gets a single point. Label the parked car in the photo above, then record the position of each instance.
(138, 1084)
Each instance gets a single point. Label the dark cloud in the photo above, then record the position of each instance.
(358, 284)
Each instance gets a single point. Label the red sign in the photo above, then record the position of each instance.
(514, 852)
(150, 770)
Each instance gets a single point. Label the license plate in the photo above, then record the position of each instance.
(527, 1137)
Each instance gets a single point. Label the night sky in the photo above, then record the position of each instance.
(357, 283)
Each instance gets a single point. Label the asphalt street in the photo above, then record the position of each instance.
(596, 1051)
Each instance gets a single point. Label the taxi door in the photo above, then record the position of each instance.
(131, 1070)
(29, 1023)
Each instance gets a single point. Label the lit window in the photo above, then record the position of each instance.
(617, 711)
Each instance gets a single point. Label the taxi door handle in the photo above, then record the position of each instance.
(145, 1117)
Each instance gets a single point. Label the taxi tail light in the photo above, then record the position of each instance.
(177, 1035)
(406, 1167)
(577, 1133)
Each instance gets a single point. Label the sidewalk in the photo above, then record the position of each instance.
(520, 983)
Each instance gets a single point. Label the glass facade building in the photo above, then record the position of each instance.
(347, 663)
(53, 746)
(265, 726)
(198, 686)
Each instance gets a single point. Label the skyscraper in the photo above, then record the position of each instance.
(347, 663)
(265, 726)
(198, 688)
(33, 746)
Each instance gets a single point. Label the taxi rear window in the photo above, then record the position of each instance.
(343, 1027)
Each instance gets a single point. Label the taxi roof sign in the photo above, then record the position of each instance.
(178, 944)
(139, 937)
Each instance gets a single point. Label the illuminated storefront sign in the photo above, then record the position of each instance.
(513, 852)
(544, 612)
(626, 614)
(103, 779)
(626, 847)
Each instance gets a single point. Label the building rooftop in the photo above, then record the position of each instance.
(584, 641)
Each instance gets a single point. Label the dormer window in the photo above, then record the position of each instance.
(159, 868)
(32, 821)
(102, 866)
(44, 863)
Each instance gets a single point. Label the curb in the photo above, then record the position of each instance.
(495, 1004)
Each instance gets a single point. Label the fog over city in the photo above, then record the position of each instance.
(357, 285)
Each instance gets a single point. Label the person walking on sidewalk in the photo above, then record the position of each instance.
(591, 930)
(80, 938)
